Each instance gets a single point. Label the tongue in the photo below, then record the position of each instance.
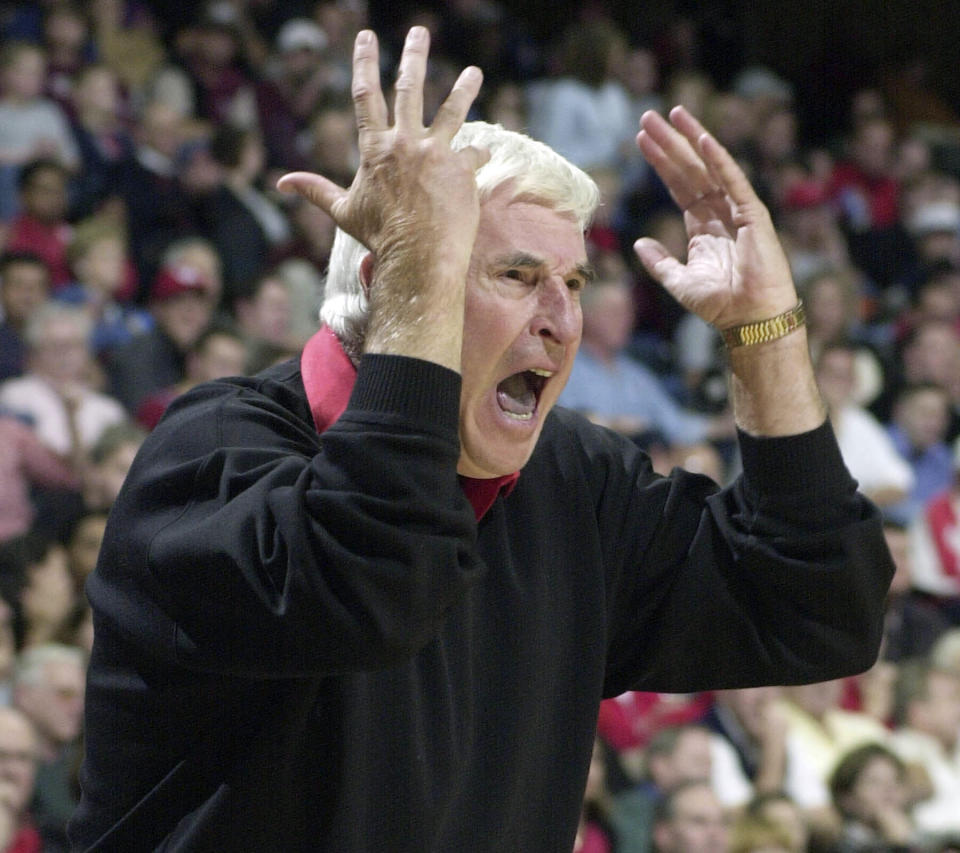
(516, 396)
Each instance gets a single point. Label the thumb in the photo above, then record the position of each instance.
(314, 188)
(663, 266)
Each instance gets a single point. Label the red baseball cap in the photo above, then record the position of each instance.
(178, 279)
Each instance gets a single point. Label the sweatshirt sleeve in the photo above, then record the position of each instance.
(244, 543)
(779, 578)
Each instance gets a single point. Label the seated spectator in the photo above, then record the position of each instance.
(824, 730)
(110, 460)
(263, 309)
(182, 302)
(927, 735)
(157, 206)
(243, 224)
(26, 463)
(626, 723)
(912, 623)
(41, 226)
(31, 126)
(83, 546)
(675, 756)
(219, 351)
(68, 47)
(754, 752)
(616, 391)
(18, 770)
(867, 450)
(867, 192)
(808, 227)
(870, 792)
(832, 300)
(778, 809)
(102, 138)
(921, 415)
(49, 689)
(24, 285)
(945, 654)
(758, 835)
(56, 394)
(36, 585)
(934, 549)
(690, 819)
(586, 115)
(98, 259)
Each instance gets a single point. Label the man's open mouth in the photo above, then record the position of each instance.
(519, 394)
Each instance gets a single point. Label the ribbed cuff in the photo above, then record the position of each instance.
(808, 462)
(411, 388)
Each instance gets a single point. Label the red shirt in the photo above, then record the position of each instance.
(48, 241)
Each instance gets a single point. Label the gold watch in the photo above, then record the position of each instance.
(765, 330)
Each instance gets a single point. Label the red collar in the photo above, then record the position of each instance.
(328, 377)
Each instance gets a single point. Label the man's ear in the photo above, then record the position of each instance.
(365, 273)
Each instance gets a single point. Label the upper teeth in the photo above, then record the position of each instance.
(539, 372)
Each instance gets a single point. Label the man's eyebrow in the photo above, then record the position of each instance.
(525, 260)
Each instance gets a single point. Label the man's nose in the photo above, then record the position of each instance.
(558, 314)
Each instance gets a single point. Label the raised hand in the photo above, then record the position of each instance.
(736, 271)
(413, 202)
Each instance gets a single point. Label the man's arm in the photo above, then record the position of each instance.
(736, 273)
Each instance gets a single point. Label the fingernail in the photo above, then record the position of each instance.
(417, 34)
(364, 37)
(472, 73)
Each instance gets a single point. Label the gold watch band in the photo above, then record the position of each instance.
(765, 330)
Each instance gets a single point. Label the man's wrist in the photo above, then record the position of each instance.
(764, 331)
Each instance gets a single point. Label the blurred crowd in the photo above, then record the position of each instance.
(144, 250)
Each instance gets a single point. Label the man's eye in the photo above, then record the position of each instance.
(575, 284)
(514, 274)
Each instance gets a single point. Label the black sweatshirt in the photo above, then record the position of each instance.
(307, 642)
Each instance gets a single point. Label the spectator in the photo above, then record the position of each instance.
(921, 416)
(31, 126)
(586, 115)
(867, 193)
(264, 312)
(18, 769)
(690, 819)
(754, 753)
(617, 391)
(301, 78)
(927, 735)
(808, 227)
(68, 47)
(36, 585)
(869, 791)
(675, 756)
(157, 206)
(220, 351)
(866, 448)
(24, 286)
(595, 833)
(56, 393)
(25, 462)
(778, 809)
(41, 226)
(758, 835)
(824, 730)
(98, 258)
(105, 144)
(49, 689)
(912, 622)
(333, 142)
(182, 302)
(242, 223)
(934, 547)
(127, 41)
(110, 460)
(83, 546)
(832, 300)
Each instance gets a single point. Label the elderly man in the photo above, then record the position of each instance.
(333, 613)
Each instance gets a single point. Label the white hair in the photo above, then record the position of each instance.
(533, 170)
(52, 312)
